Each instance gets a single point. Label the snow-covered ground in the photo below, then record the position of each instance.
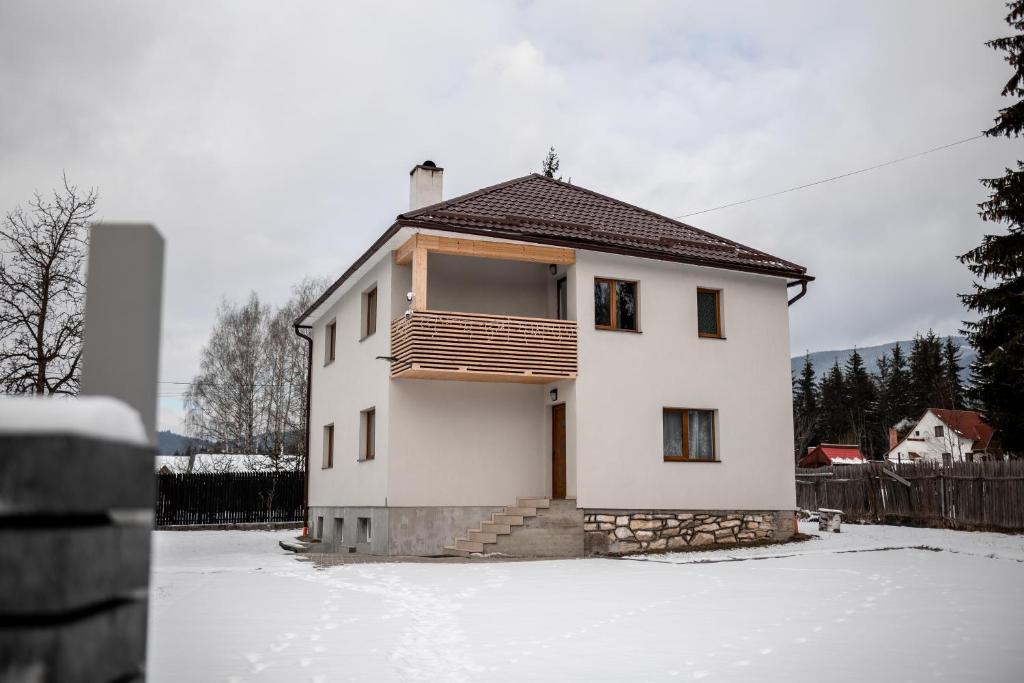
(231, 606)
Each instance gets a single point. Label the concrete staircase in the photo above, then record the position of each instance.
(533, 527)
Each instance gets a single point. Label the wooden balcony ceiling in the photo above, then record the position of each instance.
(482, 249)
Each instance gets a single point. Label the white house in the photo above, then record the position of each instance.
(618, 379)
(945, 436)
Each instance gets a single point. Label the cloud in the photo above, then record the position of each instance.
(270, 141)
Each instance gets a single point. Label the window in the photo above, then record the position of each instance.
(369, 325)
(330, 337)
(947, 459)
(688, 434)
(561, 299)
(339, 529)
(320, 528)
(938, 431)
(615, 304)
(367, 434)
(709, 313)
(328, 446)
(365, 530)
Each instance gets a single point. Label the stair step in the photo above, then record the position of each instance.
(534, 502)
(511, 520)
(495, 528)
(521, 511)
(471, 546)
(482, 536)
(456, 552)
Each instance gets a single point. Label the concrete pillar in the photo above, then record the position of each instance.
(123, 306)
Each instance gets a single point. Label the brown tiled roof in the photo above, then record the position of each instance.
(969, 424)
(543, 210)
(540, 209)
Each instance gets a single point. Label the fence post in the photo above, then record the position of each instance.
(121, 340)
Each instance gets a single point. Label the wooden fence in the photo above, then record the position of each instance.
(970, 495)
(230, 498)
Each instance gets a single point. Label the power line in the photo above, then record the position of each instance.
(835, 177)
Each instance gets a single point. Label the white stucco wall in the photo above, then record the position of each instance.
(354, 382)
(466, 443)
(625, 379)
(922, 440)
(478, 285)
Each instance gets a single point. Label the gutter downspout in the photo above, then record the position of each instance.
(309, 398)
(803, 290)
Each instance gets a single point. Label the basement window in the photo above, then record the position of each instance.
(615, 305)
(688, 434)
(365, 529)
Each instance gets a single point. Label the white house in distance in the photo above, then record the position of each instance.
(945, 436)
(538, 369)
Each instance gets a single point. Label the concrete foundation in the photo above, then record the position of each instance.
(556, 531)
(394, 530)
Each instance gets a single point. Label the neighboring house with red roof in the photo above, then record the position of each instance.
(945, 436)
(827, 454)
(535, 360)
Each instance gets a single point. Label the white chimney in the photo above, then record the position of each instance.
(424, 185)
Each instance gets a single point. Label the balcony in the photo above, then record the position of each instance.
(481, 347)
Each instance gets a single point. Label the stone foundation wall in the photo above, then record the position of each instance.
(618, 532)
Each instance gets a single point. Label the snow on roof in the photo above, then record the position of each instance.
(833, 454)
(97, 417)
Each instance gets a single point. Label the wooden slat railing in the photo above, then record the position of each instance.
(476, 346)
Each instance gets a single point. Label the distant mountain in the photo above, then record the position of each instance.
(169, 443)
(823, 360)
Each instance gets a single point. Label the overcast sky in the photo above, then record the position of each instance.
(269, 141)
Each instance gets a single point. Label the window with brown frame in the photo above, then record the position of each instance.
(367, 429)
(369, 313)
(709, 313)
(616, 304)
(939, 431)
(328, 460)
(688, 434)
(330, 340)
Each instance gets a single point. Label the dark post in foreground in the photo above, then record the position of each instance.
(76, 486)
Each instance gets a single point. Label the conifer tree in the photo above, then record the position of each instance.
(549, 167)
(805, 408)
(833, 422)
(951, 367)
(859, 395)
(997, 375)
(927, 375)
(897, 389)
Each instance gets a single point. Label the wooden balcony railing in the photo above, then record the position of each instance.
(479, 347)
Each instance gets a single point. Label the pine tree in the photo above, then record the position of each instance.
(898, 389)
(997, 375)
(927, 376)
(951, 367)
(833, 423)
(805, 408)
(549, 166)
(859, 395)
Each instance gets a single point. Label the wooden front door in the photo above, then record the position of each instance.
(558, 451)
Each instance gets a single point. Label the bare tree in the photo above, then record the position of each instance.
(250, 394)
(225, 402)
(42, 251)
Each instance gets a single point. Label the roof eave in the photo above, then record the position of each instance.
(798, 273)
